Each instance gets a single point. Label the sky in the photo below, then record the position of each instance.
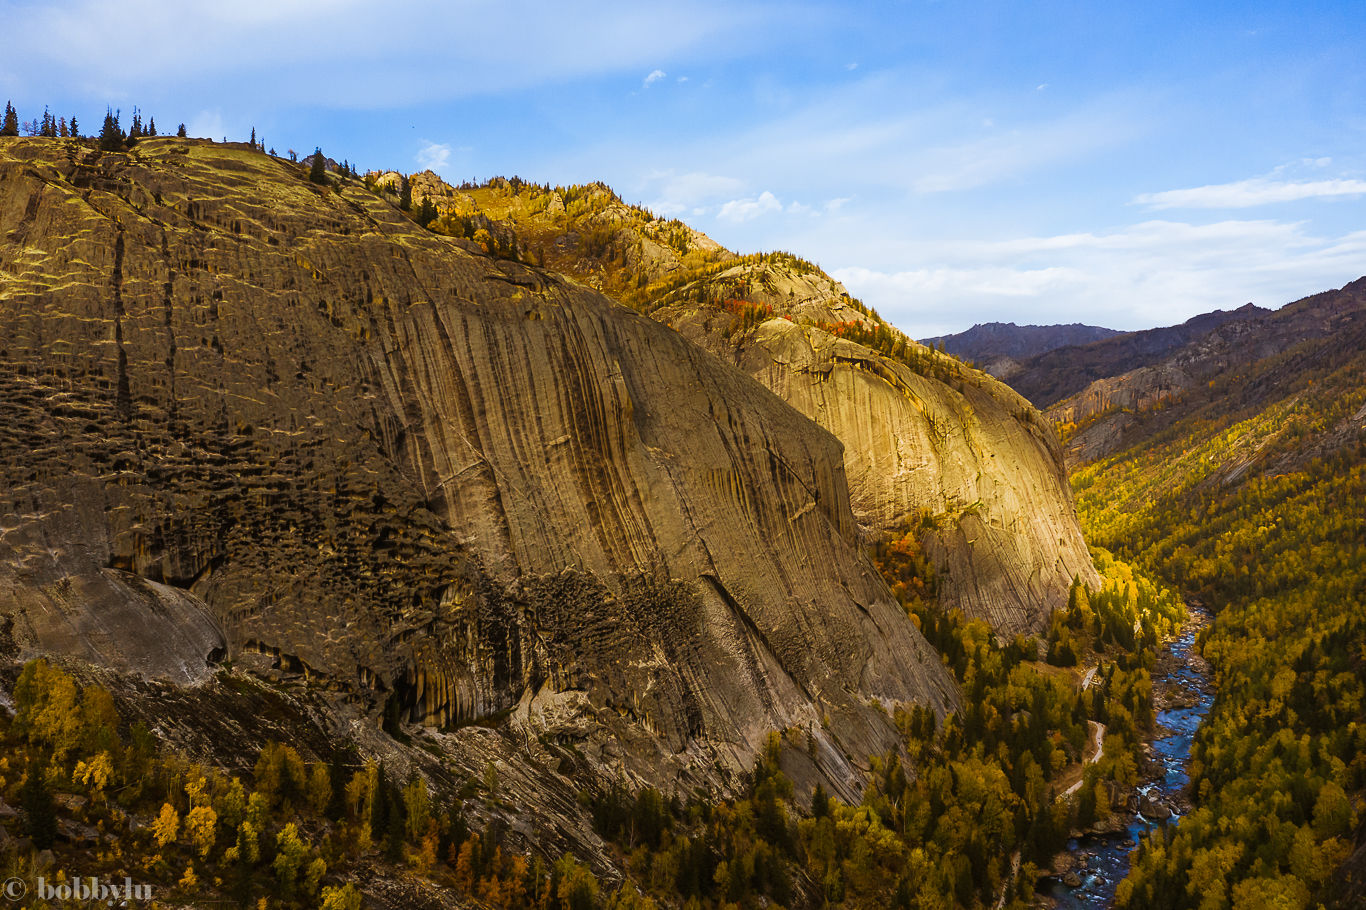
(1125, 164)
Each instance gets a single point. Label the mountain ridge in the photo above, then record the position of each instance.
(998, 347)
(272, 395)
(1052, 376)
(929, 442)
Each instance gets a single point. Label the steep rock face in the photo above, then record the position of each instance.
(968, 461)
(412, 472)
(962, 449)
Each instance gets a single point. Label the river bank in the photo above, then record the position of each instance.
(1096, 861)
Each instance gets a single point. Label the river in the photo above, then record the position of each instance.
(1183, 695)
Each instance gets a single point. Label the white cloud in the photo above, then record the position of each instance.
(655, 76)
(1251, 192)
(1143, 275)
(994, 281)
(682, 78)
(1041, 86)
(851, 66)
(746, 209)
(433, 156)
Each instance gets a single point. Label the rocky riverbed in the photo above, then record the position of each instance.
(1086, 875)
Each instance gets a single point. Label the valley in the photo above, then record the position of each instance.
(372, 541)
(1100, 861)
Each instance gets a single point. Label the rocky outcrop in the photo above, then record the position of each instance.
(965, 460)
(928, 443)
(248, 413)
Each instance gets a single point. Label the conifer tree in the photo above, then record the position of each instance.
(152, 127)
(11, 124)
(75, 130)
(405, 194)
(181, 132)
(40, 815)
(426, 212)
(111, 136)
(318, 171)
(253, 137)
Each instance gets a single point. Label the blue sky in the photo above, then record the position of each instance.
(1122, 164)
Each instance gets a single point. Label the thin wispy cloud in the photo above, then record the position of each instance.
(275, 53)
(1252, 192)
(1008, 154)
(670, 193)
(655, 76)
(206, 125)
(1151, 273)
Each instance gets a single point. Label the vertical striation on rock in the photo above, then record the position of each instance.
(246, 413)
(928, 442)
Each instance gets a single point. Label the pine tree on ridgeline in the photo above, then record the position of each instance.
(11, 125)
(181, 132)
(111, 136)
(318, 171)
(152, 127)
(74, 129)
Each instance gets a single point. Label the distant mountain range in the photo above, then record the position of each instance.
(1048, 363)
(997, 346)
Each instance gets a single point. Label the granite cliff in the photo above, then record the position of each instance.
(928, 442)
(251, 418)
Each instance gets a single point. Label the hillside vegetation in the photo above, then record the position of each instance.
(961, 814)
(1246, 492)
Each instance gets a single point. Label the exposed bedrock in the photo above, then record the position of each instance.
(245, 413)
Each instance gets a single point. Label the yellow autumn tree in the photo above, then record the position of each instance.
(94, 774)
(201, 827)
(167, 825)
(47, 707)
(343, 898)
